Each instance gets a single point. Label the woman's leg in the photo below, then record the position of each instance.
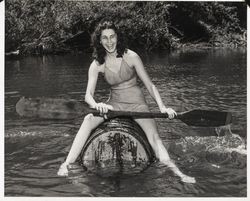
(89, 123)
(150, 129)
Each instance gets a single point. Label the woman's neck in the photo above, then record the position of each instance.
(111, 55)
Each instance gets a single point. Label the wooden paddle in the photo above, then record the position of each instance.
(49, 108)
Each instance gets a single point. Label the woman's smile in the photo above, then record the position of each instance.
(110, 47)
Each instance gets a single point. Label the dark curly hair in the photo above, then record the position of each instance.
(99, 51)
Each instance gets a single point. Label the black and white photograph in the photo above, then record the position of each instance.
(142, 99)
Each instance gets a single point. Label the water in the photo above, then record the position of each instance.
(212, 79)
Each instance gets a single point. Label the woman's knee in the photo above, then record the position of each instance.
(92, 121)
(88, 117)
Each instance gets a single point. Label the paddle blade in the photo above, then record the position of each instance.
(49, 108)
(205, 118)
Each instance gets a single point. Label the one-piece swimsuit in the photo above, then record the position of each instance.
(125, 94)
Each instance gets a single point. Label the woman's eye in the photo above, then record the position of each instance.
(104, 38)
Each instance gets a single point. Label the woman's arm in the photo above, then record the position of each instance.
(92, 80)
(90, 91)
(137, 63)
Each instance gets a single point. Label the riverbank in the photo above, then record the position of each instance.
(198, 46)
(80, 43)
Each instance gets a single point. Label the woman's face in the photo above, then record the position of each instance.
(109, 40)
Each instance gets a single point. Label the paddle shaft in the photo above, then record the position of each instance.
(203, 118)
(136, 115)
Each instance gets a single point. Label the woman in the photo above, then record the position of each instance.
(120, 67)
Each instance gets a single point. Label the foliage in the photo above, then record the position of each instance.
(34, 25)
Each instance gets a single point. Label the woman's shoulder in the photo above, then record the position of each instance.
(96, 66)
(130, 54)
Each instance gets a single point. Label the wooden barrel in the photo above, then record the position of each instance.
(117, 146)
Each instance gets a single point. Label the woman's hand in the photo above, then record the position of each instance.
(171, 113)
(103, 108)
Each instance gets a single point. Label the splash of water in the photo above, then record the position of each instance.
(229, 149)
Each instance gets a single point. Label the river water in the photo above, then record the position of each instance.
(207, 79)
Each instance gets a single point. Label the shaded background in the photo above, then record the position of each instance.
(40, 26)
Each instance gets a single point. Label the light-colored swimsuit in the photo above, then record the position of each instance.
(125, 94)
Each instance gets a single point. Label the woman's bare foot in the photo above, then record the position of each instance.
(175, 169)
(188, 179)
(63, 170)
